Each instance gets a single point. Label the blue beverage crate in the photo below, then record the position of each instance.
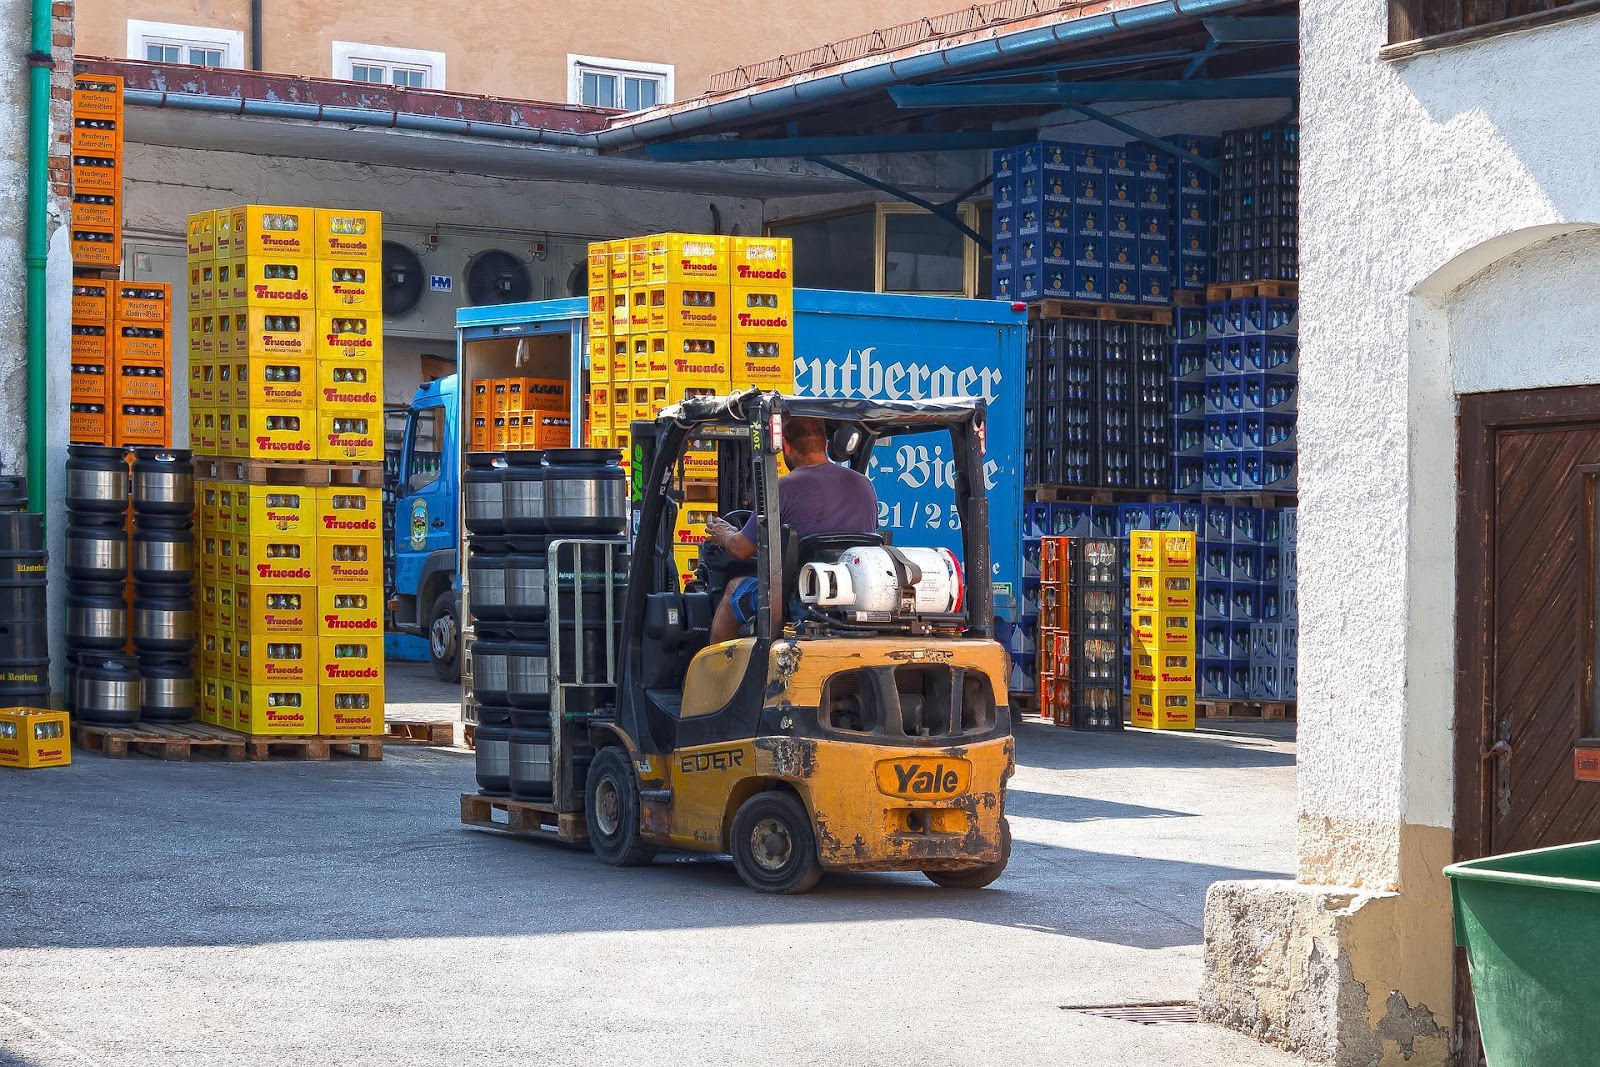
(1191, 515)
(1224, 433)
(1238, 640)
(1155, 222)
(1155, 193)
(1132, 517)
(1214, 561)
(1123, 252)
(1166, 517)
(1069, 520)
(1122, 286)
(1218, 524)
(1187, 365)
(1122, 221)
(1215, 639)
(1213, 679)
(1188, 438)
(1244, 601)
(1189, 325)
(1155, 287)
(1035, 520)
(1247, 525)
(1268, 471)
(1246, 563)
(1271, 601)
(1222, 473)
(1188, 475)
(1276, 393)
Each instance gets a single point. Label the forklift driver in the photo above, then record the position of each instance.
(816, 496)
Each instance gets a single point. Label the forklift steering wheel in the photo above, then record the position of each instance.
(715, 559)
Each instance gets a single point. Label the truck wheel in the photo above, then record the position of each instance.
(977, 877)
(444, 638)
(773, 846)
(611, 811)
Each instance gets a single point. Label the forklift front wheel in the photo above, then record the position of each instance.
(444, 638)
(611, 811)
(773, 846)
(977, 877)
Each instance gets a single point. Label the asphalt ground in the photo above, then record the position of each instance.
(269, 914)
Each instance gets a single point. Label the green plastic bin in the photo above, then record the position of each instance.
(1530, 922)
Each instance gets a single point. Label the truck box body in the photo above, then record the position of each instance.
(847, 344)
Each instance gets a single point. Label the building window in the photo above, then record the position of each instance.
(625, 85)
(407, 68)
(1439, 23)
(884, 248)
(195, 46)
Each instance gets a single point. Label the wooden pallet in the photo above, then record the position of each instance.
(470, 731)
(1242, 290)
(1244, 710)
(174, 741)
(419, 732)
(1088, 309)
(310, 473)
(186, 741)
(1188, 298)
(313, 749)
(1075, 494)
(1252, 500)
(522, 818)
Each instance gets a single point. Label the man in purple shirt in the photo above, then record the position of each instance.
(816, 496)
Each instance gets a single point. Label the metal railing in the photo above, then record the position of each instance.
(972, 19)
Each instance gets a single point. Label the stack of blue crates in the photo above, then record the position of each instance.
(1249, 602)
(1251, 396)
(1082, 222)
(1258, 208)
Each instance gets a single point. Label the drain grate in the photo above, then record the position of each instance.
(1148, 1014)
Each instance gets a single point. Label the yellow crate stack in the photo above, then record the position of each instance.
(1164, 641)
(678, 315)
(286, 364)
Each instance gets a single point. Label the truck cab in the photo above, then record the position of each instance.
(426, 601)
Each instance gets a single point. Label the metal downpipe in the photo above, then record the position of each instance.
(40, 65)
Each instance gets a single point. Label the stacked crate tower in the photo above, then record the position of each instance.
(121, 388)
(286, 407)
(678, 315)
(1161, 590)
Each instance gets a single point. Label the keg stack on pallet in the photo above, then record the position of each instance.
(32, 734)
(679, 315)
(540, 645)
(130, 570)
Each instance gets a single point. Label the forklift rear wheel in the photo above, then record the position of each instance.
(977, 877)
(444, 639)
(773, 846)
(611, 811)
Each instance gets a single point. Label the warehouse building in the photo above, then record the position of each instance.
(1446, 643)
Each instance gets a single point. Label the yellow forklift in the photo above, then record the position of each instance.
(860, 722)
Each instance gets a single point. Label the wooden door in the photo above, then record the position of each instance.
(1530, 481)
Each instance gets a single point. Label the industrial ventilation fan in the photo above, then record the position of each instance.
(403, 279)
(495, 276)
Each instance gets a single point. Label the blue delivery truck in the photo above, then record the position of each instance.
(846, 345)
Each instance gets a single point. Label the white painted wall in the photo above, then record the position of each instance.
(14, 25)
(1416, 176)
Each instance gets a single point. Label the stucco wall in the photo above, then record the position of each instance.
(1443, 200)
(516, 51)
(1414, 175)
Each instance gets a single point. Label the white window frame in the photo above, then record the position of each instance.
(348, 53)
(142, 32)
(578, 65)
